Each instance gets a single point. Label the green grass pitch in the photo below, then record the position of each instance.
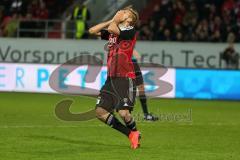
(29, 130)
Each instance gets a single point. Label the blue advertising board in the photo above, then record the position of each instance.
(208, 84)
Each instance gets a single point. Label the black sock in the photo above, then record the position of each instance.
(116, 124)
(132, 125)
(143, 100)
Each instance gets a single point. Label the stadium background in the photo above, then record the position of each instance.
(199, 117)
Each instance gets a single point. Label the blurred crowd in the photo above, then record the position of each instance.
(171, 20)
(192, 20)
(11, 11)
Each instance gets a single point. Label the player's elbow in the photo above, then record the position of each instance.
(91, 31)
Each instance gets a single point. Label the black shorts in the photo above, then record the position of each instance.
(117, 93)
(138, 73)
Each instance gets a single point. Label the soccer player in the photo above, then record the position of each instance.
(119, 90)
(141, 90)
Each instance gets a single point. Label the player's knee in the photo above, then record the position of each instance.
(125, 115)
(100, 113)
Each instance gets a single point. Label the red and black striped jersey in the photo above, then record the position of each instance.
(120, 50)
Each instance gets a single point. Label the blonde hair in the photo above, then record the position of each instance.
(134, 15)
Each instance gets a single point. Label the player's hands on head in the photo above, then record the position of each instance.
(120, 17)
(117, 17)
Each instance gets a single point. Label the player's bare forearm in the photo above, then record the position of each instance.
(95, 30)
(113, 27)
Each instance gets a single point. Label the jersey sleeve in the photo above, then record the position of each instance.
(127, 33)
(105, 34)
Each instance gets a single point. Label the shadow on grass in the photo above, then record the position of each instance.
(80, 142)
